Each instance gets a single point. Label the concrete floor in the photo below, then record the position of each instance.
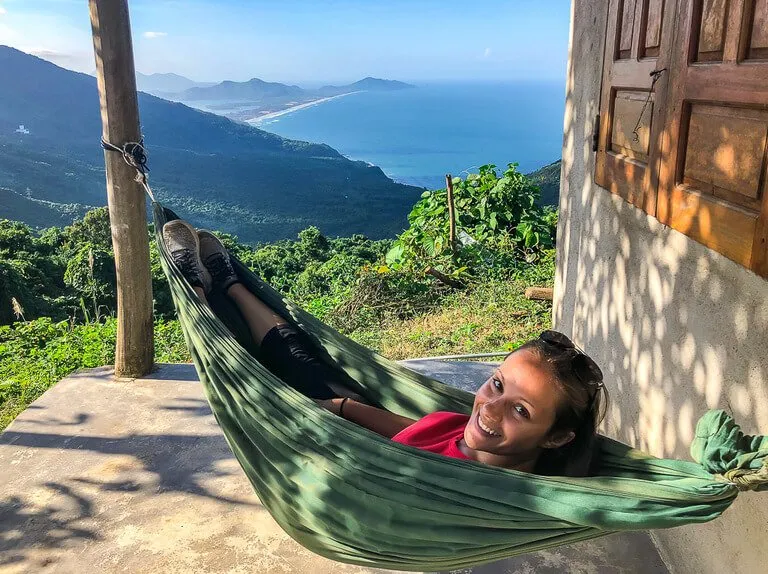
(101, 475)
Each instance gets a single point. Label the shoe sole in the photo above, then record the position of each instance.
(205, 275)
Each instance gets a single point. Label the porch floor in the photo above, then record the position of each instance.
(102, 475)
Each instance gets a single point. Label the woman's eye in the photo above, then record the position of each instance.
(497, 385)
(522, 411)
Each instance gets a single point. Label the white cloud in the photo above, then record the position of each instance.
(65, 59)
(48, 36)
(46, 53)
(8, 35)
(487, 53)
(153, 35)
(3, 11)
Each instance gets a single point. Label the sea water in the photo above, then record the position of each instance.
(417, 136)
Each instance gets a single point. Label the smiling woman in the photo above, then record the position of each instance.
(538, 412)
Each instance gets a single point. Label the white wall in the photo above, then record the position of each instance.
(676, 327)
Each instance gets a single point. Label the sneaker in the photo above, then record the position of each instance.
(216, 260)
(182, 242)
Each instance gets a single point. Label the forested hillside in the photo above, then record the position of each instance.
(222, 174)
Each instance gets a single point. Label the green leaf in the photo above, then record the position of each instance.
(429, 246)
(395, 254)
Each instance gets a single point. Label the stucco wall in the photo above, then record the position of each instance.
(677, 328)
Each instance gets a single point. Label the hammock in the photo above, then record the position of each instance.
(353, 496)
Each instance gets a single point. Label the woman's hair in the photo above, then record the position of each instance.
(584, 404)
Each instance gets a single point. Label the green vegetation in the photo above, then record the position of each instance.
(498, 223)
(57, 287)
(547, 179)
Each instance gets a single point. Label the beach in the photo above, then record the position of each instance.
(272, 115)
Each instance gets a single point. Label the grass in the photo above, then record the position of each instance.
(34, 355)
(493, 317)
(488, 317)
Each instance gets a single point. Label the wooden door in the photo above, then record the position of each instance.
(638, 42)
(714, 172)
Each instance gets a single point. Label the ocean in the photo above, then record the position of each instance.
(417, 136)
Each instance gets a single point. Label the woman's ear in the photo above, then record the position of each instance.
(559, 439)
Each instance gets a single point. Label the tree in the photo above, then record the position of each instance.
(91, 273)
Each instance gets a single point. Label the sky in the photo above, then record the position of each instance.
(311, 41)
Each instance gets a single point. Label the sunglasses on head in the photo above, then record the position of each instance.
(585, 369)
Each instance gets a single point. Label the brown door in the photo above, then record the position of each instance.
(714, 171)
(638, 42)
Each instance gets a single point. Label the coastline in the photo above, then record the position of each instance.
(271, 115)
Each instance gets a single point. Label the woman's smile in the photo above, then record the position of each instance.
(483, 430)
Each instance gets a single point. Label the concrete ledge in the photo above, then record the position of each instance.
(101, 475)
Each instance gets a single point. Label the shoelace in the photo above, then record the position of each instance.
(220, 267)
(187, 263)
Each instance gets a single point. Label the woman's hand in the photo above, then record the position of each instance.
(378, 420)
(329, 404)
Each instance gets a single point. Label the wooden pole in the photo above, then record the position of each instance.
(451, 213)
(116, 76)
(444, 279)
(540, 293)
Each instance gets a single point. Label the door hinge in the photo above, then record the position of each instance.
(596, 134)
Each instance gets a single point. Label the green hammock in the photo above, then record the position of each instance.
(353, 496)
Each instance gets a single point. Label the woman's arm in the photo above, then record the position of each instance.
(381, 422)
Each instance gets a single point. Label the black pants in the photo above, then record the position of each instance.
(290, 355)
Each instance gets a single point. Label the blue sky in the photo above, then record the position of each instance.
(312, 41)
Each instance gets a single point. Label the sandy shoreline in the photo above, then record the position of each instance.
(271, 115)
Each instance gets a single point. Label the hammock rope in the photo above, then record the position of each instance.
(353, 496)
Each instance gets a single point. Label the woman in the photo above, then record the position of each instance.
(538, 412)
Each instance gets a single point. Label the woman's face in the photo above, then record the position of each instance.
(515, 409)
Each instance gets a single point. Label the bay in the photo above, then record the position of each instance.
(417, 136)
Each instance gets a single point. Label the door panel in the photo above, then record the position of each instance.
(712, 183)
(638, 41)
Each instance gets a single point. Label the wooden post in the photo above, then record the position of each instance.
(444, 279)
(451, 213)
(116, 76)
(540, 293)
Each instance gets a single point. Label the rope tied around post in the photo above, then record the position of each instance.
(135, 155)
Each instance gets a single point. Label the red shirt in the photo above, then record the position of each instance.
(438, 432)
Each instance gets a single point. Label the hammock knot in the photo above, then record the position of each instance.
(748, 479)
(135, 155)
(726, 452)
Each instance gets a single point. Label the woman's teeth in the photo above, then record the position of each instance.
(486, 429)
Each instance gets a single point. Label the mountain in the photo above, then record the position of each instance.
(256, 89)
(247, 101)
(548, 180)
(366, 84)
(165, 84)
(251, 90)
(218, 173)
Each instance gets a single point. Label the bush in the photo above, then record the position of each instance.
(498, 222)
